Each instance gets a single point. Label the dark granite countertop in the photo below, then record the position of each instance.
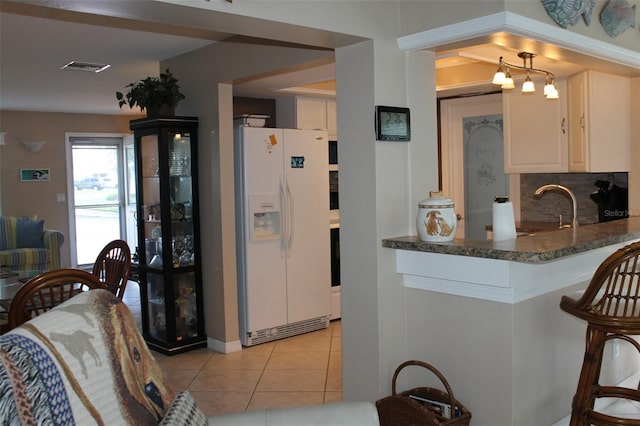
(532, 226)
(535, 248)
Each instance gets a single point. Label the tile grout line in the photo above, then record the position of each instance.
(264, 369)
(326, 376)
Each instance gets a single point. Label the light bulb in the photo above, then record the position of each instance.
(552, 93)
(549, 88)
(527, 86)
(508, 81)
(499, 77)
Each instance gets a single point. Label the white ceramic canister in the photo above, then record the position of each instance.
(436, 220)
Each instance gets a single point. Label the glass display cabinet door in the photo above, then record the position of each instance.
(153, 247)
(182, 234)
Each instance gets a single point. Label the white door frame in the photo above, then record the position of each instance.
(130, 204)
(70, 186)
(452, 113)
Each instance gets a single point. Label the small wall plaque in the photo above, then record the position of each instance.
(393, 124)
(34, 175)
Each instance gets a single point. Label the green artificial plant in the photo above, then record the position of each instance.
(152, 92)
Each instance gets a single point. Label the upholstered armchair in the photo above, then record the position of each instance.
(26, 245)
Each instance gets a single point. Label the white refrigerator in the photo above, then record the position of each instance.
(282, 232)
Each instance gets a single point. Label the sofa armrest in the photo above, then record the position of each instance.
(52, 242)
(334, 414)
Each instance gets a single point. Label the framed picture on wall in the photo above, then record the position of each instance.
(392, 124)
(34, 175)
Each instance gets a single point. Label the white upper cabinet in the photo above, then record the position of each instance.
(311, 113)
(301, 112)
(535, 131)
(599, 122)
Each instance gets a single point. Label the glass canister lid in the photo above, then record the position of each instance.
(436, 201)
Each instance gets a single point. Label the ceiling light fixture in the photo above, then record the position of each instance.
(504, 79)
(85, 66)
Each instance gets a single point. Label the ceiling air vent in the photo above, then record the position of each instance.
(85, 66)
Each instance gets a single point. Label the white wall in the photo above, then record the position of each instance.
(508, 364)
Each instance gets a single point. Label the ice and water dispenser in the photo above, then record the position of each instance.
(265, 214)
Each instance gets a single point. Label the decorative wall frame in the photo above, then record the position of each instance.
(35, 175)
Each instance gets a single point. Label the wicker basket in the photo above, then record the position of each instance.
(409, 408)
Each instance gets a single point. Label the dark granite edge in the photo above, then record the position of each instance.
(538, 248)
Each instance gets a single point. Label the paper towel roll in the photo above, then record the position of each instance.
(504, 225)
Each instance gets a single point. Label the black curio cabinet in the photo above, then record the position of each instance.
(168, 254)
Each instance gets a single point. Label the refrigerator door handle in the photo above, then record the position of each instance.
(284, 234)
(290, 219)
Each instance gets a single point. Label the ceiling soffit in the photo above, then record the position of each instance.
(508, 32)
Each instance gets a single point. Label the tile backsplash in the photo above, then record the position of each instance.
(551, 204)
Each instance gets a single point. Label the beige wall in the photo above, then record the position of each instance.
(417, 16)
(40, 198)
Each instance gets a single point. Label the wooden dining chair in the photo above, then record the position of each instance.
(113, 265)
(47, 290)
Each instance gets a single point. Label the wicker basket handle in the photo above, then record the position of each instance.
(430, 368)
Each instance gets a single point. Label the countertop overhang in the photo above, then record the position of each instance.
(534, 248)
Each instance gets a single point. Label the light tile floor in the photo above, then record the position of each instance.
(300, 370)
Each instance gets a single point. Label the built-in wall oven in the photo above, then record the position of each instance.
(334, 213)
(333, 180)
(336, 305)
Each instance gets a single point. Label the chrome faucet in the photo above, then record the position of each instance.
(560, 188)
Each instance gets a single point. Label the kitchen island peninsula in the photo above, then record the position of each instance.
(487, 315)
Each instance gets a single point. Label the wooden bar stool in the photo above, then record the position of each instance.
(611, 307)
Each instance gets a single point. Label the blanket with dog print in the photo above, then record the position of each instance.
(84, 362)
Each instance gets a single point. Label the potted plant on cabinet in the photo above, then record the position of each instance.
(156, 95)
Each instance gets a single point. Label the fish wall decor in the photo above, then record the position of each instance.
(617, 16)
(568, 12)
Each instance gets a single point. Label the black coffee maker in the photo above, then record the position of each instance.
(612, 201)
